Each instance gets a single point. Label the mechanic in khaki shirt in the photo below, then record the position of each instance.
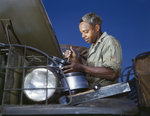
(105, 54)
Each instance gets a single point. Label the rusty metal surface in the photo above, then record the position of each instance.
(113, 106)
(117, 105)
(31, 25)
(103, 92)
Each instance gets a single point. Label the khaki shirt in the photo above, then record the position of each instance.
(107, 52)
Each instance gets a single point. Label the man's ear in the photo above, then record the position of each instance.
(97, 27)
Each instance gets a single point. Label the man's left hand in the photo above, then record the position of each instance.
(73, 67)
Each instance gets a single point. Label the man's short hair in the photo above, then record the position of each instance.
(91, 18)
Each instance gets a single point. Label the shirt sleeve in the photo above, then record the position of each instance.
(112, 54)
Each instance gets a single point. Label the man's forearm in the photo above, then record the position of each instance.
(101, 72)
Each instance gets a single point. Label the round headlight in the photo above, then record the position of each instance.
(40, 84)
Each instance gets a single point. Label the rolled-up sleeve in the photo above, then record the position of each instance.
(112, 55)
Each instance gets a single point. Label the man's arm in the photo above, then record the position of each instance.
(101, 72)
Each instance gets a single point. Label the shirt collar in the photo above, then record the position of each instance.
(94, 47)
(100, 39)
(102, 36)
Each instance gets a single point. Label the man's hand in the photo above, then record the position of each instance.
(67, 54)
(71, 55)
(73, 67)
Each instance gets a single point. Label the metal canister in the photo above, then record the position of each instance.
(74, 81)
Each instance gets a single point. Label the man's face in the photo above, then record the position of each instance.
(88, 32)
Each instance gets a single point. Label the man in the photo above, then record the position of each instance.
(104, 57)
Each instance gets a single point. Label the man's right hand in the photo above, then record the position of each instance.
(71, 55)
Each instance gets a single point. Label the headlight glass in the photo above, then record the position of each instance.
(37, 81)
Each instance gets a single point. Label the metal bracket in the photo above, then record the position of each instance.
(103, 92)
(7, 26)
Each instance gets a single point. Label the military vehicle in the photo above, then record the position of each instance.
(31, 79)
